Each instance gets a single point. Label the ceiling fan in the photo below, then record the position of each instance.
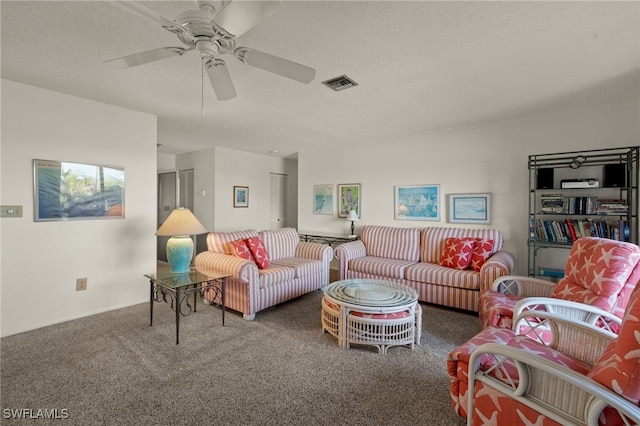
(212, 30)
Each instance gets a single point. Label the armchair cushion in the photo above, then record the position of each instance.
(600, 272)
(596, 272)
(618, 368)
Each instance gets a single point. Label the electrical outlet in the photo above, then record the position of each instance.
(81, 284)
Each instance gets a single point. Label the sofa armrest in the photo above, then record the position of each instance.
(499, 264)
(348, 251)
(241, 269)
(317, 251)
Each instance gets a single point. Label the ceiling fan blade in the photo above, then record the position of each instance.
(220, 79)
(275, 64)
(148, 14)
(238, 17)
(148, 56)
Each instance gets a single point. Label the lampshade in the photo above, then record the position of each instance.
(352, 217)
(180, 224)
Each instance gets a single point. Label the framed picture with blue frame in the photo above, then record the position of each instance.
(470, 208)
(417, 202)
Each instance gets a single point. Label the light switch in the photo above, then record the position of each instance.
(10, 211)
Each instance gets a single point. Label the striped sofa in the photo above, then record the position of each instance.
(296, 268)
(412, 256)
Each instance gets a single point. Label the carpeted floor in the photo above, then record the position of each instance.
(280, 369)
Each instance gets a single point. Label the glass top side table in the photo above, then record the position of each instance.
(175, 289)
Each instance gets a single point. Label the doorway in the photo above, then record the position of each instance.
(278, 202)
(175, 189)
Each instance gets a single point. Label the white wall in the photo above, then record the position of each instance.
(217, 170)
(238, 168)
(40, 261)
(484, 158)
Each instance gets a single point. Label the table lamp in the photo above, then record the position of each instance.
(353, 216)
(180, 225)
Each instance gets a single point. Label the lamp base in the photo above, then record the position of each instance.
(179, 253)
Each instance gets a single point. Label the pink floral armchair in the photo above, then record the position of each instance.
(599, 272)
(587, 376)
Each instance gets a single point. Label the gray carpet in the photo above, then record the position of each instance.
(280, 369)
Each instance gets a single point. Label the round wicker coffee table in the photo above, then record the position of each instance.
(372, 312)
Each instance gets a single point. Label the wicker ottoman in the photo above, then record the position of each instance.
(368, 326)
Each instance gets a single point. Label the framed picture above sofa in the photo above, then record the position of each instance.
(323, 199)
(469, 208)
(417, 202)
(349, 199)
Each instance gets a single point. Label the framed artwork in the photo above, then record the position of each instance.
(348, 199)
(240, 196)
(417, 202)
(323, 199)
(72, 191)
(469, 208)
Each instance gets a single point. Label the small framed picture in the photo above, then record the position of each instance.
(349, 199)
(240, 196)
(323, 199)
(417, 202)
(469, 208)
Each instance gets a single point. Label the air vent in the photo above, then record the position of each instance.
(340, 83)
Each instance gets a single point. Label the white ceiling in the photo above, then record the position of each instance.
(420, 65)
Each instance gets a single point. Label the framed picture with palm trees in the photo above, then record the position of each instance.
(349, 198)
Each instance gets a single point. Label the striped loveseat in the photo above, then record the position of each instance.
(295, 268)
(412, 256)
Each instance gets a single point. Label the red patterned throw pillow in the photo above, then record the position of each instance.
(241, 249)
(259, 252)
(482, 250)
(457, 252)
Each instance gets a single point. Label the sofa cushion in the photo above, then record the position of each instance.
(258, 252)
(220, 242)
(392, 243)
(241, 249)
(457, 252)
(433, 239)
(280, 243)
(441, 275)
(275, 274)
(482, 251)
(382, 267)
(302, 267)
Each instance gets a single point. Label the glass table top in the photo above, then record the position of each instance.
(371, 292)
(195, 275)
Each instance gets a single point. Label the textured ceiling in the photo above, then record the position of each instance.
(420, 65)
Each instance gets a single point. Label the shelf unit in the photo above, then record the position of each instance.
(574, 194)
